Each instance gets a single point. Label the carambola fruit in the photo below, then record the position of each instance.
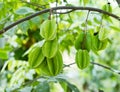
(48, 29)
(82, 58)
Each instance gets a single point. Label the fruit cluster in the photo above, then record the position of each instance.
(47, 58)
(87, 41)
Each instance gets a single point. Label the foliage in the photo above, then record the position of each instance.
(16, 74)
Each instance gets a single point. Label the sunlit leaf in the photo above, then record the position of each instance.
(3, 54)
(85, 2)
(24, 10)
(115, 28)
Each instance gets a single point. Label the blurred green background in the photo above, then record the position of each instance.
(17, 76)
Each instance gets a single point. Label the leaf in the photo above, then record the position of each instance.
(2, 42)
(108, 8)
(1, 5)
(26, 89)
(3, 54)
(89, 22)
(40, 43)
(36, 20)
(11, 31)
(115, 28)
(24, 26)
(24, 11)
(44, 16)
(71, 86)
(85, 2)
(42, 87)
(64, 86)
(96, 20)
(103, 34)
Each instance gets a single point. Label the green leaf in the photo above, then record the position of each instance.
(12, 30)
(71, 86)
(36, 20)
(42, 87)
(2, 42)
(26, 89)
(1, 5)
(45, 16)
(24, 11)
(89, 22)
(40, 43)
(103, 34)
(3, 54)
(107, 7)
(96, 20)
(64, 86)
(85, 2)
(24, 26)
(115, 28)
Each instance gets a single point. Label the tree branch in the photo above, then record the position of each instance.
(103, 66)
(63, 12)
(58, 8)
(106, 67)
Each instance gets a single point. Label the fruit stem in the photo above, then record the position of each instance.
(50, 14)
(85, 31)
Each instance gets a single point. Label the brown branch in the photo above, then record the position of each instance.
(63, 12)
(58, 8)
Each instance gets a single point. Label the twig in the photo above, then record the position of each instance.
(58, 8)
(103, 66)
(86, 20)
(106, 67)
(69, 64)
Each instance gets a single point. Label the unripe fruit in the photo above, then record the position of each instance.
(48, 29)
(98, 44)
(35, 57)
(52, 66)
(55, 64)
(83, 41)
(82, 58)
(50, 48)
